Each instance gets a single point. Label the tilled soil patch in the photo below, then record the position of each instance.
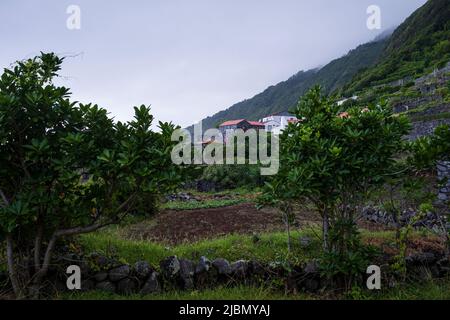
(192, 225)
(175, 227)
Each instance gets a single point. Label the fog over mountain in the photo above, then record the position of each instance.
(188, 59)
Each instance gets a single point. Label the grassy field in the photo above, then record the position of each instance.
(270, 247)
(266, 247)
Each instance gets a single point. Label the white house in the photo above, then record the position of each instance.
(341, 102)
(276, 123)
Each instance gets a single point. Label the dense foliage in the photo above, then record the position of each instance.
(233, 176)
(67, 169)
(429, 149)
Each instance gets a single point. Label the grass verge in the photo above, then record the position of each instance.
(430, 290)
(205, 204)
(264, 248)
(221, 293)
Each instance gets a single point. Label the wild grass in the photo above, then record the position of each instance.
(265, 248)
(268, 247)
(429, 290)
(205, 204)
(220, 293)
(241, 191)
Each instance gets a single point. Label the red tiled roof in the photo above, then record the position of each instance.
(344, 115)
(235, 122)
(208, 141)
(256, 123)
(231, 122)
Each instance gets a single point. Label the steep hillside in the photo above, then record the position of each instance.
(413, 72)
(285, 95)
(417, 47)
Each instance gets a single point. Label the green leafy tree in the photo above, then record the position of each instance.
(67, 168)
(333, 159)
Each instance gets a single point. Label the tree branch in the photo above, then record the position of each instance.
(42, 271)
(83, 230)
(47, 259)
(4, 198)
(37, 247)
(123, 205)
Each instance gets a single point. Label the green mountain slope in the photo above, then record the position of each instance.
(285, 95)
(417, 47)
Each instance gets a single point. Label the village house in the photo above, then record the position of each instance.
(341, 102)
(227, 128)
(277, 122)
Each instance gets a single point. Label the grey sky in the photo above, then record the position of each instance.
(187, 58)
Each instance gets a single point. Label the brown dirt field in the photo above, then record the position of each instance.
(176, 227)
(192, 225)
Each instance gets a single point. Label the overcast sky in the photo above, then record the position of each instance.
(187, 58)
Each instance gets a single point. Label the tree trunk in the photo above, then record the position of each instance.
(42, 272)
(12, 267)
(288, 229)
(27, 286)
(37, 247)
(325, 230)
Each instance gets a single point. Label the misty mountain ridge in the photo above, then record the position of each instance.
(406, 51)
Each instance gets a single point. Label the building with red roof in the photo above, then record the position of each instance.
(228, 127)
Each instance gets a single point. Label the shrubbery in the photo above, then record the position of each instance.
(233, 176)
(427, 150)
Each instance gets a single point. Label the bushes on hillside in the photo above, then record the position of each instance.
(429, 149)
(233, 176)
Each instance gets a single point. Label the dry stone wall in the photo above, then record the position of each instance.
(443, 170)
